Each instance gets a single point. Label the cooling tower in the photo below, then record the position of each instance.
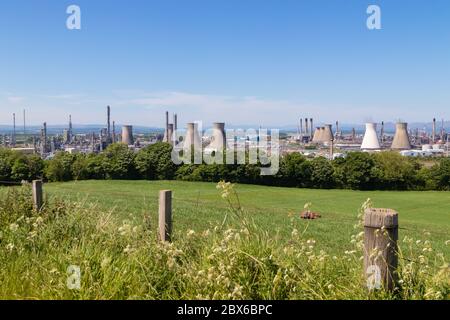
(316, 135)
(327, 133)
(218, 139)
(168, 137)
(321, 134)
(401, 138)
(192, 137)
(127, 135)
(370, 141)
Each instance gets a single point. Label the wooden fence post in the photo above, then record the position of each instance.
(37, 194)
(380, 248)
(165, 215)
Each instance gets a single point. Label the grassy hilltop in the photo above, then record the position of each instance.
(198, 205)
(107, 229)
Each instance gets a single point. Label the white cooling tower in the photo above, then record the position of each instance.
(370, 141)
(127, 135)
(218, 138)
(192, 137)
(401, 138)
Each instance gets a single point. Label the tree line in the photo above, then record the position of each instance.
(357, 171)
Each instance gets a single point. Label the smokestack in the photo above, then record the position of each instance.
(301, 127)
(353, 134)
(108, 128)
(127, 135)
(93, 142)
(311, 128)
(169, 137)
(166, 132)
(175, 122)
(114, 132)
(401, 138)
(70, 128)
(306, 126)
(382, 132)
(13, 140)
(370, 141)
(44, 139)
(433, 133)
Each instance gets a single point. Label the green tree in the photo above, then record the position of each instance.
(118, 162)
(442, 174)
(395, 171)
(155, 162)
(5, 164)
(295, 170)
(322, 173)
(36, 167)
(359, 171)
(20, 169)
(60, 167)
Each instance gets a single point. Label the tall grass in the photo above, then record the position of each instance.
(237, 259)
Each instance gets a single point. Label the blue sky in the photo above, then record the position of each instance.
(262, 62)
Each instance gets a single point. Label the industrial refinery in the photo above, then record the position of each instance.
(311, 138)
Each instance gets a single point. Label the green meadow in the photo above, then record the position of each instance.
(263, 250)
(198, 205)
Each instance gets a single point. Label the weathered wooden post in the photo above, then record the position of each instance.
(165, 215)
(37, 194)
(380, 248)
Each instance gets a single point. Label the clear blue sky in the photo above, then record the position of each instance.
(241, 61)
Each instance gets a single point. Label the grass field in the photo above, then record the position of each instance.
(199, 205)
(107, 229)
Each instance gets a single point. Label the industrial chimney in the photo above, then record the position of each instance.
(127, 135)
(337, 129)
(13, 138)
(306, 126)
(175, 122)
(169, 137)
(108, 128)
(311, 128)
(114, 132)
(301, 127)
(433, 133)
(370, 141)
(401, 138)
(166, 132)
